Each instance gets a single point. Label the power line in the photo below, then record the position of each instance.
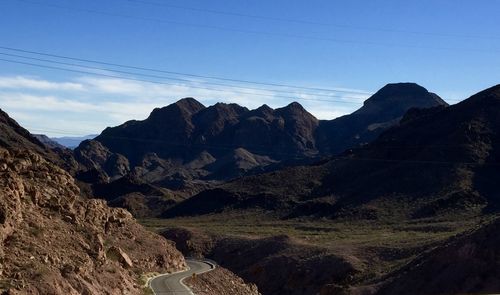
(185, 80)
(307, 22)
(175, 79)
(285, 35)
(166, 83)
(184, 74)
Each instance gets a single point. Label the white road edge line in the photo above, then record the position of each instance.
(148, 282)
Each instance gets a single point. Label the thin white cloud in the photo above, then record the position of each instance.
(144, 91)
(114, 86)
(22, 101)
(328, 113)
(20, 82)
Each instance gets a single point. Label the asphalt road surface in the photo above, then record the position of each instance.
(171, 284)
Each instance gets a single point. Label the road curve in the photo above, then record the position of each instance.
(171, 284)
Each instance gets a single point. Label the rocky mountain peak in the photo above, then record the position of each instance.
(228, 107)
(296, 112)
(214, 119)
(293, 107)
(265, 108)
(190, 104)
(264, 111)
(178, 133)
(395, 97)
(184, 108)
(392, 89)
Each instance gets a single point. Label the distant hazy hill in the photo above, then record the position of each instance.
(48, 141)
(72, 141)
(436, 162)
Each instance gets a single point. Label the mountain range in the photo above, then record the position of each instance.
(436, 167)
(184, 148)
(57, 239)
(436, 161)
(405, 161)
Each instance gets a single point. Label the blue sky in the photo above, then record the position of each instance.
(451, 47)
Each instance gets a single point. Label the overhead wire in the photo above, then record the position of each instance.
(177, 79)
(246, 31)
(192, 75)
(362, 94)
(185, 74)
(306, 22)
(167, 83)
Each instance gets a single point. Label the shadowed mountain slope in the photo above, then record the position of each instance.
(187, 147)
(183, 130)
(436, 161)
(464, 265)
(384, 109)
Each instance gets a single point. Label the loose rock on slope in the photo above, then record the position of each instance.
(54, 242)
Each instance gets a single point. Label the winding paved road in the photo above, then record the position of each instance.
(171, 284)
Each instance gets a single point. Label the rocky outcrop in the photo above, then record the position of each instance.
(119, 255)
(55, 242)
(220, 281)
(94, 156)
(13, 136)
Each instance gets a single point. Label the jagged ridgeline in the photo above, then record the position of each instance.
(184, 148)
(437, 162)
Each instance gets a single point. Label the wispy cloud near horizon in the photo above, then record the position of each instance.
(21, 82)
(86, 104)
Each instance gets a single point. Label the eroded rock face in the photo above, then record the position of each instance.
(93, 155)
(120, 256)
(55, 242)
(221, 282)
